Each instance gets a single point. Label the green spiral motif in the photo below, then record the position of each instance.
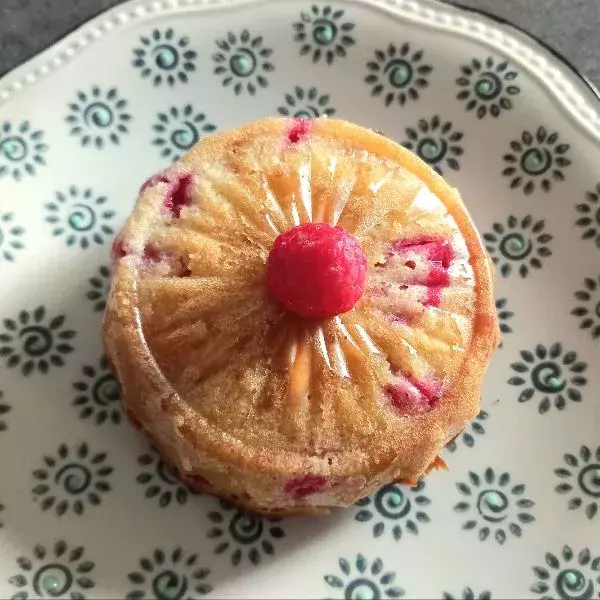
(169, 585)
(399, 73)
(13, 148)
(492, 505)
(536, 161)
(362, 589)
(515, 247)
(82, 218)
(186, 137)
(166, 57)
(98, 114)
(243, 63)
(246, 528)
(53, 580)
(106, 390)
(74, 478)
(392, 503)
(571, 584)
(324, 31)
(37, 340)
(432, 151)
(488, 86)
(167, 473)
(589, 480)
(547, 377)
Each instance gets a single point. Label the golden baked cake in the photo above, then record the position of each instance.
(301, 312)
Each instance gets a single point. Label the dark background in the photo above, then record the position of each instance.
(570, 26)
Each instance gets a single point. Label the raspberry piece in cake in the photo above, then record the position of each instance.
(299, 130)
(301, 487)
(316, 270)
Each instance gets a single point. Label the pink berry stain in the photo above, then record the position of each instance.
(299, 130)
(438, 254)
(411, 396)
(179, 190)
(300, 488)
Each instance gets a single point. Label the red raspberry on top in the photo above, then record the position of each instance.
(316, 270)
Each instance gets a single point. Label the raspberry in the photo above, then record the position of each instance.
(316, 270)
(299, 130)
(301, 487)
(411, 396)
(179, 191)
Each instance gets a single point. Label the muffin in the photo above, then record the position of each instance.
(300, 313)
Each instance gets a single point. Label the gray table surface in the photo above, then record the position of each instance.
(569, 26)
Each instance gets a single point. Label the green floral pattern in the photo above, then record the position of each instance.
(519, 245)
(242, 535)
(468, 594)
(398, 74)
(242, 62)
(177, 130)
(59, 572)
(163, 57)
(323, 33)
(436, 142)
(98, 394)
(570, 577)
(4, 410)
(11, 237)
(504, 316)
(581, 480)
(80, 216)
(589, 221)
(35, 342)
(494, 506)
(306, 104)
(99, 288)
(551, 375)
(470, 433)
(359, 579)
(72, 479)
(22, 150)
(173, 575)
(588, 310)
(536, 159)
(161, 480)
(394, 509)
(98, 117)
(487, 87)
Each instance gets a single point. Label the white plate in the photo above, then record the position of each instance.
(87, 508)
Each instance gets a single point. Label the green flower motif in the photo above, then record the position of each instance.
(57, 573)
(523, 243)
(569, 579)
(21, 150)
(323, 33)
(34, 342)
(468, 436)
(486, 87)
(397, 74)
(395, 506)
(99, 288)
(178, 130)
(585, 475)
(468, 594)
(80, 216)
(10, 235)
(98, 117)
(306, 104)
(242, 62)
(436, 143)
(72, 479)
(242, 534)
(535, 159)
(360, 581)
(590, 219)
(164, 58)
(551, 373)
(497, 506)
(4, 410)
(590, 314)
(504, 316)
(99, 394)
(161, 480)
(174, 576)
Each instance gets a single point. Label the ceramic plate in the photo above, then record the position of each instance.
(87, 509)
